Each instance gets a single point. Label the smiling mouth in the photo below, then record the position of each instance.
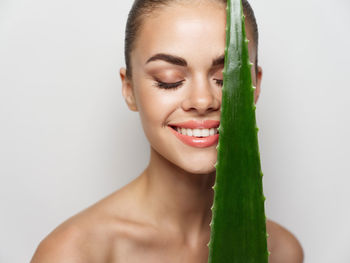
(198, 133)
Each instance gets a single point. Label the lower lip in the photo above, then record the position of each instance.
(195, 141)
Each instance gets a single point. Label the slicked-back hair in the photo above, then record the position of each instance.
(142, 8)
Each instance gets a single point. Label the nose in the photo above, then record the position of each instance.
(202, 97)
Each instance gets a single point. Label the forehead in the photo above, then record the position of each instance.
(184, 28)
(179, 28)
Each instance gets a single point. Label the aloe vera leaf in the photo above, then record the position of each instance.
(238, 227)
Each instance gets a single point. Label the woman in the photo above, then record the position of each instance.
(173, 77)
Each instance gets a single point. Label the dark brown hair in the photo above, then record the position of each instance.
(142, 8)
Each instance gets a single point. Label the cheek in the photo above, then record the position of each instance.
(155, 105)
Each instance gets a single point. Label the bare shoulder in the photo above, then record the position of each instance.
(81, 238)
(62, 245)
(90, 236)
(283, 245)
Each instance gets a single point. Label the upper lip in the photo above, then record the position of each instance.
(197, 124)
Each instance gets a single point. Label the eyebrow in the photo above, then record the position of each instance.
(219, 61)
(182, 62)
(168, 58)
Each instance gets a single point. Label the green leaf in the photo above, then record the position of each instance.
(238, 227)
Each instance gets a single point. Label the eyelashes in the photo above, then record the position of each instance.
(175, 85)
(168, 85)
(219, 82)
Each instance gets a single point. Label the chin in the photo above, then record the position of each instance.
(197, 162)
(201, 171)
(200, 167)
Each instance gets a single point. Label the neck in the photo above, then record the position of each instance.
(178, 200)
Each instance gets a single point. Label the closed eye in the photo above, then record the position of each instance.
(219, 82)
(168, 85)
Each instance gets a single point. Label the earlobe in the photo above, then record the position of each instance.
(127, 90)
(258, 84)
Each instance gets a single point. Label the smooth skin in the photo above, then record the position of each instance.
(164, 214)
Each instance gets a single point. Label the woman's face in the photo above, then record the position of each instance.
(176, 83)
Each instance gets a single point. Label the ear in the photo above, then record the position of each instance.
(127, 90)
(258, 84)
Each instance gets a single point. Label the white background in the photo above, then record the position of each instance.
(67, 138)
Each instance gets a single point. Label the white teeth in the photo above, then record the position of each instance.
(205, 132)
(211, 131)
(197, 132)
(189, 132)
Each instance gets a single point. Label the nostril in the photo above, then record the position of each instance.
(201, 98)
